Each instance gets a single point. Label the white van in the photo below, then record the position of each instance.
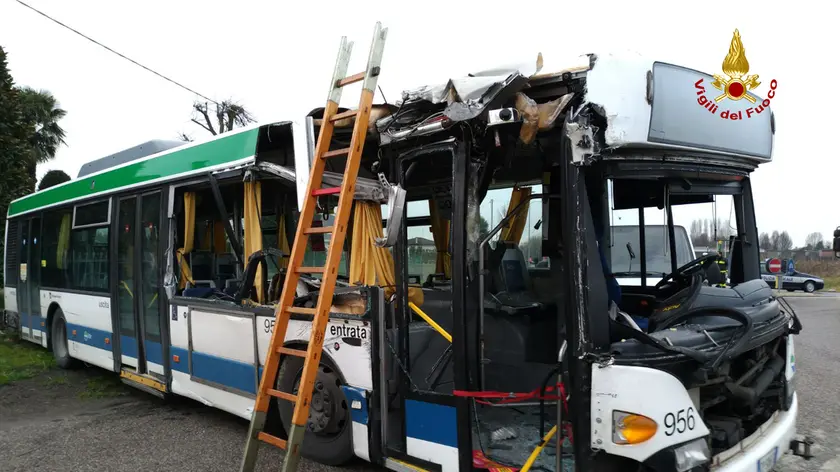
(625, 260)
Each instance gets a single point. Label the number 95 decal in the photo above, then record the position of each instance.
(679, 422)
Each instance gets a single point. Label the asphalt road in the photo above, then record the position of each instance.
(49, 425)
(818, 365)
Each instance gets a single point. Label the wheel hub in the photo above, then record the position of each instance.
(327, 410)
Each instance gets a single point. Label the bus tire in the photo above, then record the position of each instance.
(329, 431)
(58, 341)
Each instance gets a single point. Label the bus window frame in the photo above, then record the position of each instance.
(106, 222)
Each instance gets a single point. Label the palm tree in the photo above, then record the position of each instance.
(42, 112)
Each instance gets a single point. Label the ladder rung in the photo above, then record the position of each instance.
(326, 191)
(299, 310)
(350, 79)
(281, 394)
(274, 441)
(336, 153)
(310, 270)
(318, 230)
(343, 115)
(291, 352)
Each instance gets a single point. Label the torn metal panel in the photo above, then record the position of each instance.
(396, 213)
(583, 141)
(473, 89)
(366, 189)
(538, 117)
(282, 172)
(468, 97)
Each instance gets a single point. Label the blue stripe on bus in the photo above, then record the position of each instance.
(154, 352)
(230, 373)
(431, 422)
(33, 321)
(183, 364)
(359, 415)
(89, 336)
(227, 372)
(128, 346)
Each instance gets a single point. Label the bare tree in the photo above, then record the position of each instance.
(785, 242)
(764, 241)
(774, 241)
(698, 237)
(706, 232)
(220, 117)
(813, 239)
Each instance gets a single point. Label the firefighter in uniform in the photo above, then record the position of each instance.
(721, 262)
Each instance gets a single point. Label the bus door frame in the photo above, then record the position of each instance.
(136, 196)
(25, 288)
(402, 318)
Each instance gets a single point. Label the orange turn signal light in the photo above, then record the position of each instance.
(630, 428)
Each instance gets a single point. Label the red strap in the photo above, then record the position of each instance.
(512, 397)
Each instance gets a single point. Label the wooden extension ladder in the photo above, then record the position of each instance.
(320, 313)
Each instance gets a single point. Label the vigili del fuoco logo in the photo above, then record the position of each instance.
(734, 84)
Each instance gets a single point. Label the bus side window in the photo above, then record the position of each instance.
(55, 270)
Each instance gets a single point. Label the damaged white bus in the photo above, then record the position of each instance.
(445, 351)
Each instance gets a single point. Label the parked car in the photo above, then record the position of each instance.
(794, 280)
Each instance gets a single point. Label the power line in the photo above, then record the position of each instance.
(115, 52)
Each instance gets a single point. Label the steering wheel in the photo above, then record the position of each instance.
(701, 262)
(677, 303)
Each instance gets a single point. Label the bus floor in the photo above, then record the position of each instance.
(517, 434)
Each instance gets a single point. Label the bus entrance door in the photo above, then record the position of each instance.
(136, 299)
(29, 292)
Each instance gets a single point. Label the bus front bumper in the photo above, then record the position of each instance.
(765, 447)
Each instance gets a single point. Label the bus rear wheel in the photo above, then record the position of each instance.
(329, 431)
(59, 343)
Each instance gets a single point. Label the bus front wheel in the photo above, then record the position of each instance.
(59, 343)
(329, 431)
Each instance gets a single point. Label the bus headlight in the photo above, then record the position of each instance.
(680, 458)
(630, 428)
(691, 455)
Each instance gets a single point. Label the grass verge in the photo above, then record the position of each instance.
(102, 386)
(832, 282)
(21, 360)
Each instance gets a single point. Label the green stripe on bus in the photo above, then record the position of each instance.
(229, 148)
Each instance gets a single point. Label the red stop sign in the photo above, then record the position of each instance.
(774, 265)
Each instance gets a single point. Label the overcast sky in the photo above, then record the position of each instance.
(277, 61)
